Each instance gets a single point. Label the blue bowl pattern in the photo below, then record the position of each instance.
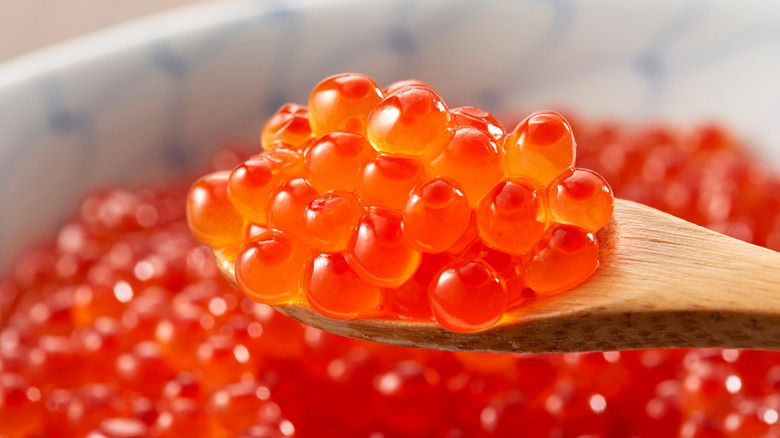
(151, 98)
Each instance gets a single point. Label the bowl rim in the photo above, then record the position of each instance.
(136, 32)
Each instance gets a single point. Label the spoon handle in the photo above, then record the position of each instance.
(684, 285)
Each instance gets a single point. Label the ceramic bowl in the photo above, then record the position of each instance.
(153, 97)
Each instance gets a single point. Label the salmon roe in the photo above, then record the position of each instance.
(384, 179)
(342, 103)
(541, 147)
(123, 326)
(290, 125)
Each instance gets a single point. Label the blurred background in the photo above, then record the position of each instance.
(25, 27)
(153, 99)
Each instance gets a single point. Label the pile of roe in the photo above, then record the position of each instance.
(123, 327)
(386, 203)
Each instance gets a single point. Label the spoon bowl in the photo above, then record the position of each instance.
(662, 283)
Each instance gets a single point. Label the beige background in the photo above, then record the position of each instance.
(26, 25)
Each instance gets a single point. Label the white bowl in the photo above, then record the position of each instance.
(152, 97)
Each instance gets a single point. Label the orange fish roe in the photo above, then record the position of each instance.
(378, 251)
(513, 216)
(289, 125)
(389, 179)
(455, 290)
(334, 289)
(564, 258)
(408, 121)
(210, 215)
(395, 86)
(286, 209)
(331, 161)
(431, 205)
(541, 147)
(581, 197)
(252, 182)
(267, 267)
(342, 103)
(471, 157)
(386, 181)
(125, 291)
(330, 220)
(482, 120)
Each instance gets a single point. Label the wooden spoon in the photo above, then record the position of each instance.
(662, 283)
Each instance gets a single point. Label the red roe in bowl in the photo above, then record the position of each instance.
(124, 325)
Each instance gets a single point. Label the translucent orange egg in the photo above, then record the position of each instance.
(210, 215)
(252, 182)
(467, 239)
(334, 289)
(410, 300)
(378, 252)
(120, 428)
(436, 215)
(471, 157)
(285, 211)
(290, 124)
(219, 363)
(395, 86)
(332, 162)
(143, 369)
(330, 220)
(566, 258)
(342, 103)
(467, 296)
(20, 414)
(387, 181)
(508, 267)
(179, 418)
(285, 157)
(268, 268)
(512, 217)
(254, 230)
(408, 121)
(540, 148)
(582, 198)
(482, 120)
(236, 406)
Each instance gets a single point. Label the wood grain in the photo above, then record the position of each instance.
(662, 283)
